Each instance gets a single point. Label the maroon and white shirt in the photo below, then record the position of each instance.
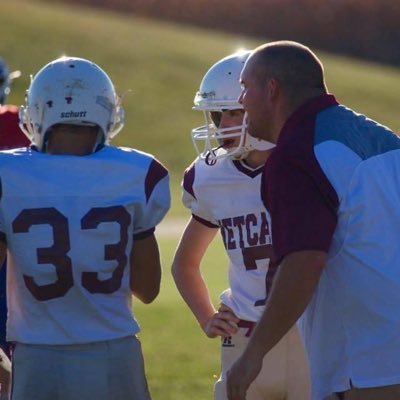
(332, 184)
(11, 135)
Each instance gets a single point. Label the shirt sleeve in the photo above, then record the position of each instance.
(193, 202)
(302, 204)
(157, 200)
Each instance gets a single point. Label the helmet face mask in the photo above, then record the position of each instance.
(70, 91)
(212, 142)
(219, 91)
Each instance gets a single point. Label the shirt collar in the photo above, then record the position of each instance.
(308, 109)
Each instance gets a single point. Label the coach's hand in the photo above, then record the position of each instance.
(222, 323)
(242, 374)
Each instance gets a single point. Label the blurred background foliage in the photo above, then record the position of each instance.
(158, 65)
(363, 28)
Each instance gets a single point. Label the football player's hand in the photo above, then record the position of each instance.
(222, 323)
(241, 375)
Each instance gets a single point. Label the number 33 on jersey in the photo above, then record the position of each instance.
(80, 238)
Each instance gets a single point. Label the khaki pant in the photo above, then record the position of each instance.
(284, 375)
(109, 370)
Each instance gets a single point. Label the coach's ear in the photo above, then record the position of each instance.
(272, 89)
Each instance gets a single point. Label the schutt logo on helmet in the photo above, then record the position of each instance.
(73, 114)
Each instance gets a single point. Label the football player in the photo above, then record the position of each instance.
(222, 190)
(77, 217)
(10, 136)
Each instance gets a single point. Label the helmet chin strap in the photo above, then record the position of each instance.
(211, 157)
(242, 153)
(100, 140)
(259, 144)
(251, 143)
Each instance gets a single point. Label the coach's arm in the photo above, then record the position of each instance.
(292, 290)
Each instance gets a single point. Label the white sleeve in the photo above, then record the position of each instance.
(192, 199)
(157, 200)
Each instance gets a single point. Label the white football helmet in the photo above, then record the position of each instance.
(219, 91)
(74, 91)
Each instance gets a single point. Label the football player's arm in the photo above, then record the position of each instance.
(145, 269)
(188, 278)
(294, 285)
(145, 263)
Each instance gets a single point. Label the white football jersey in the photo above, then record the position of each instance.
(227, 195)
(69, 223)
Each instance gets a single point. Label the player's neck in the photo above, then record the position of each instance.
(257, 158)
(72, 140)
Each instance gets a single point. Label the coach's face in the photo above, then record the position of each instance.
(255, 101)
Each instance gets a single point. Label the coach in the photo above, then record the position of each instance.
(332, 186)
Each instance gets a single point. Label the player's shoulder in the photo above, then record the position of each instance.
(200, 164)
(9, 109)
(17, 155)
(9, 114)
(134, 157)
(125, 153)
(18, 152)
(200, 168)
(201, 175)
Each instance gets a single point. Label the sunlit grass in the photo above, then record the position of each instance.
(181, 361)
(161, 64)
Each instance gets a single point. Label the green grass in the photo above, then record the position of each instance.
(162, 65)
(158, 65)
(181, 362)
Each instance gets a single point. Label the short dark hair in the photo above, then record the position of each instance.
(292, 63)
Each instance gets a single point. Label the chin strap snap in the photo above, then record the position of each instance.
(211, 157)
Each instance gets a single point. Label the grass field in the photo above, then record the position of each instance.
(159, 66)
(181, 362)
(162, 64)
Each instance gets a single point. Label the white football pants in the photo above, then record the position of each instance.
(284, 375)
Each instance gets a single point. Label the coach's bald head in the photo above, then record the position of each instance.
(280, 77)
(294, 65)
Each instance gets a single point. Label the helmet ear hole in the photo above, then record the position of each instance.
(25, 123)
(216, 117)
(117, 122)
